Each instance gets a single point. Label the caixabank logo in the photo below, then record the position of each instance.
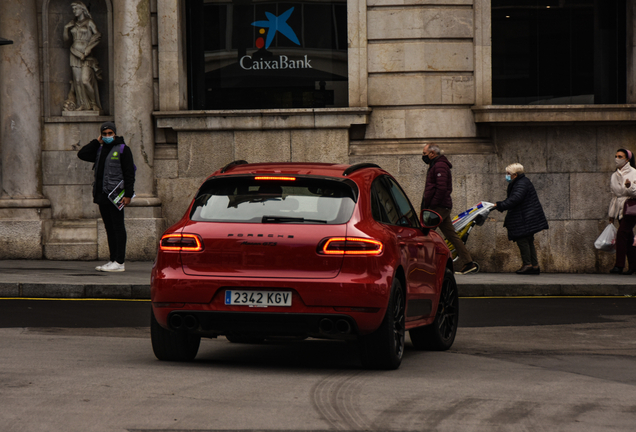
(274, 24)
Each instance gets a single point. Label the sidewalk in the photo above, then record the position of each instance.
(79, 279)
(73, 279)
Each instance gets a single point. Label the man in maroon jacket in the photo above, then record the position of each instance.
(437, 197)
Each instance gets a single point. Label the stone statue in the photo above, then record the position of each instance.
(84, 93)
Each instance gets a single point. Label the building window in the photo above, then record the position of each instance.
(247, 54)
(551, 52)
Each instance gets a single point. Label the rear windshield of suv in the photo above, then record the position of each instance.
(246, 199)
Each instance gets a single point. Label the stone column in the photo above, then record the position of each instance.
(133, 106)
(24, 212)
(134, 89)
(20, 118)
(483, 53)
(357, 52)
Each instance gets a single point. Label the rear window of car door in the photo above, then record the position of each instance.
(384, 208)
(404, 205)
(390, 205)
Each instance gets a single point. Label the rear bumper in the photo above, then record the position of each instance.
(263, 324)
(362, 289)
(359, 299)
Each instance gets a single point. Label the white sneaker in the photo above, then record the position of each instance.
(99, 268)
(113, 266)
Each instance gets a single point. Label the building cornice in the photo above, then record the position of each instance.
(554, 113)
(319, 118)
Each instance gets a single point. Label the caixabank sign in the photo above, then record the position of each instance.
(266, 54)
(269, 28)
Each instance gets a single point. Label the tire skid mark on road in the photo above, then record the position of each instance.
(403, 413)
(434, 418)
(516, 413)
(571, 413)
(411, 414)
(336, 397)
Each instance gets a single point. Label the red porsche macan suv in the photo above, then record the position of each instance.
(303, 250)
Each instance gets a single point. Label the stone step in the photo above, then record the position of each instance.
(76, 231)
(71, 240)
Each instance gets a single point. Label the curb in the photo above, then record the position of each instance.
(52, 290)
(142, 291)
(548, 290)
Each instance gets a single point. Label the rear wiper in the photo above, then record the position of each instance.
(285, 219)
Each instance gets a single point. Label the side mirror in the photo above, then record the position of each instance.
(429, 219)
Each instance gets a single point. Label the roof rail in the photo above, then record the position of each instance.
(232, 165)
(358, 166)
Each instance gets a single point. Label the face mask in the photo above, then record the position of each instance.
(508, 178)
(620, 162)
(426, 159)
(108, 140)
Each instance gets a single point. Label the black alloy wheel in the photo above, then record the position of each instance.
(440, 335)
(384, 348)
(399, 322)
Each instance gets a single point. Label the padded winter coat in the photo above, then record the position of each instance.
(525, 214)
(439, 184)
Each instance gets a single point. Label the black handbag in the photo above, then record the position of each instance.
(630, 208)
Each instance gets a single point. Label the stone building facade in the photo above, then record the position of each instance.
(408, 72)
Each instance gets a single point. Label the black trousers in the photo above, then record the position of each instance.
(115, 230)
(625, 242)
(527, 250)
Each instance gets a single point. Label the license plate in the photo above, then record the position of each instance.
(258, 298)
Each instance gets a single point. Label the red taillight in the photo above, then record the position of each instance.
(181, 242)
(275, 178)
(350, 246)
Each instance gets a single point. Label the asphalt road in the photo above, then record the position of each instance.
(516, 365)
(475, 312)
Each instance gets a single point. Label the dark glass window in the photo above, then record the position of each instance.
(390, 205)
(550, 52)
(247, 54)
(383, 207)
(408, 214)
(246, 199)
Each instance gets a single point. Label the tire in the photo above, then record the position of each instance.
(384, 348)
(440, 335)
(172, 346)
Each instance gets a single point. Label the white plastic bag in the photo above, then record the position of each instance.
(607, 240)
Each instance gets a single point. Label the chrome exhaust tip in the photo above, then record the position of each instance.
(190, 322)
(326, 325)
(343, 326)
(176, 321)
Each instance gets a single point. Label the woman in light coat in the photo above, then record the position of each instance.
(623, 187)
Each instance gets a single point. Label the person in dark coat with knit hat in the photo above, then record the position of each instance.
(437, 197)
(525, 216)
(113, 163)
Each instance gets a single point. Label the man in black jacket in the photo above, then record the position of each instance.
(114, 169)
(437, 197)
